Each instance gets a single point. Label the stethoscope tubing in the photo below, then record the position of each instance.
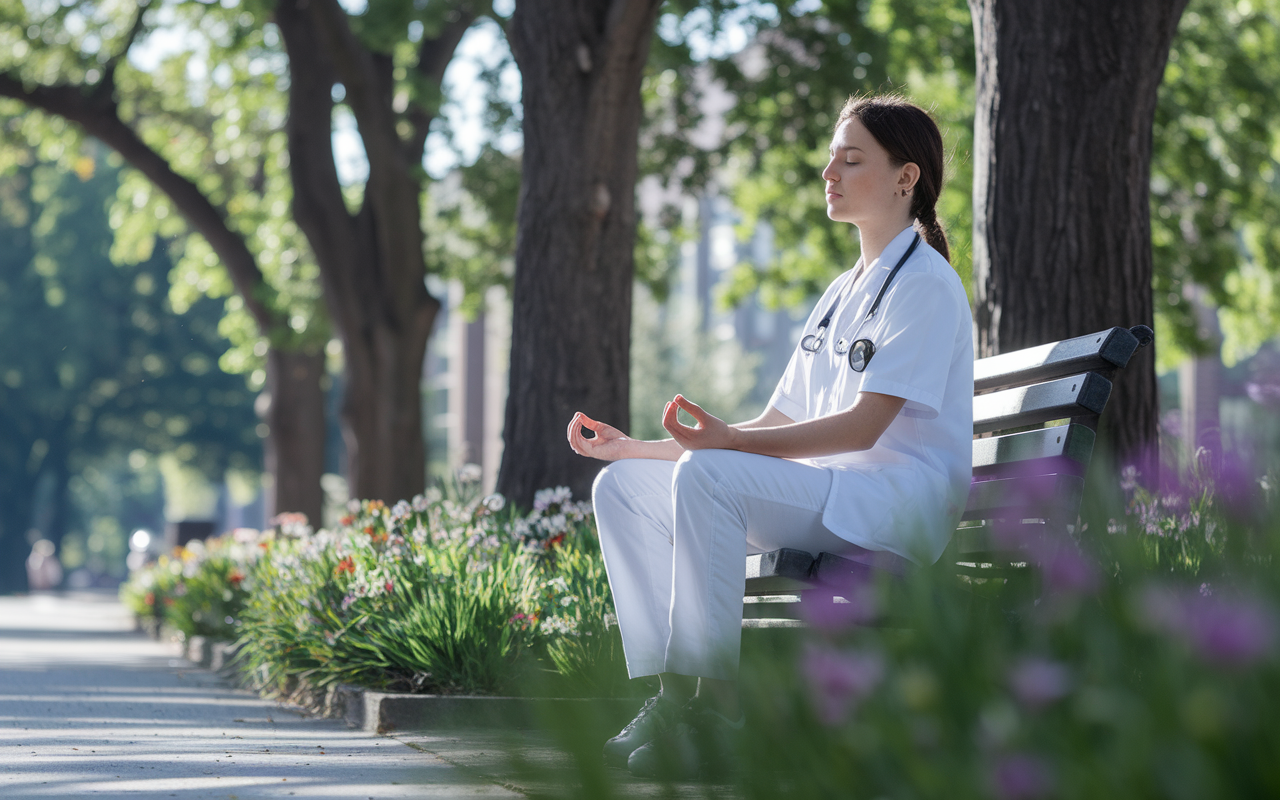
(814, 342)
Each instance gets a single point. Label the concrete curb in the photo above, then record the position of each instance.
(209, 653)
(382, 712)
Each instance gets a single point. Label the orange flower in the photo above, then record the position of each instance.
(235, 577)
(346, 519)
(347, 564)
(150, 599)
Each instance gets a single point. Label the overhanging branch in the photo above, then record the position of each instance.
(98, 116)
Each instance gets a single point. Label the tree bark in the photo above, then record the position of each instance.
(1062, 164)
(295, 417)
(96, 110)
(581, 63)
(371, 262)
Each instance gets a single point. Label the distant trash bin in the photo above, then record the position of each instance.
(177, 534)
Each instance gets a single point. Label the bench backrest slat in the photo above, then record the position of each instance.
(1105, 350)
(1061, 448)
(1035, 496)
(1073, 396)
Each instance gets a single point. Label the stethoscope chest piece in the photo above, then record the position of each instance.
(842, 344)
(860, 354)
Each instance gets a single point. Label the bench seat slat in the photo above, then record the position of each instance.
(1105, 350)
(782, 571)
(1073, 396)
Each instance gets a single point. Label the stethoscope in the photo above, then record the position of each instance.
(861, 351)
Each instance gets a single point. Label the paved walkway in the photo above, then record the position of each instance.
(89, 708)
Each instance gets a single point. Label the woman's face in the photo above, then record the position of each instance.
(862, 184)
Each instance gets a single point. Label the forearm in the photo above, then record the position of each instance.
(857, 428)
(657, 449)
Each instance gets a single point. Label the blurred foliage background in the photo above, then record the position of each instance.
(126, 360)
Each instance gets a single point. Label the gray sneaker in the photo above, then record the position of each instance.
(655, 717)
(701, 744)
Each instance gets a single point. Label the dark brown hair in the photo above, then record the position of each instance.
(911, 136)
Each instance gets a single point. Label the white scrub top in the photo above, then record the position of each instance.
(904, 495)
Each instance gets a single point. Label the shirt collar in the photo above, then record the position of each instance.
(894, 250)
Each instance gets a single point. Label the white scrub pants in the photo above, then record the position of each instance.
(675, 537)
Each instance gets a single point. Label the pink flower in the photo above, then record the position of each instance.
(1038, 682)
(1021, 776)
(839, 679)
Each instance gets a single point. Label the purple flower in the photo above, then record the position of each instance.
(839, 679)
(1037, 682)
(1225, 631)
(1067, 570)
(1020, 776)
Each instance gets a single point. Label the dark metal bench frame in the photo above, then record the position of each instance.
(1035, 417)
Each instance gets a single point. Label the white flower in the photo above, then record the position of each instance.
(560, 626)
(545, 498)
(470, 473)
(494, 502)
(400, 511)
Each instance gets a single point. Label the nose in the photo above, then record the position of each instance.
(829, 173)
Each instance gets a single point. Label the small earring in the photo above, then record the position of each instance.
(904, 192)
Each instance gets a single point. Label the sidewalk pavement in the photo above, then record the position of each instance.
(91, 708)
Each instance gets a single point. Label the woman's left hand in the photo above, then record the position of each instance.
(710, 433)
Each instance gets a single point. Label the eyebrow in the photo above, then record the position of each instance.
(833, 150)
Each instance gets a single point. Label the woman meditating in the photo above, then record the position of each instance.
(865, 449)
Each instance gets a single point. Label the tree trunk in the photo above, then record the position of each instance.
(581, 62)
(294, 414)
(1062, 164)
(16, 497)
(371, 262)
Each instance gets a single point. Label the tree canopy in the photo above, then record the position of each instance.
(95, 361)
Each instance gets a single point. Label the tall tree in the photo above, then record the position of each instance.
(1062, 165)
(72, 64)
(372, 259)
(581, 63)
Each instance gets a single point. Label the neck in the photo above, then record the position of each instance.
(875, 236)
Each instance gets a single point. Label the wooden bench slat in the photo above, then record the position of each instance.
(978, 542)
(1105, 350)
(1048, 450)
(779, 572)
(1073, 396)
(1022, 498)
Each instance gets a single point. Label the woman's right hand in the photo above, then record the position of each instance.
(609, 443)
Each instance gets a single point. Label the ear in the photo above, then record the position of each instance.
(908, 175)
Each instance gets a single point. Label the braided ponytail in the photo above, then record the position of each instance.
(910, 136)
(929, 227)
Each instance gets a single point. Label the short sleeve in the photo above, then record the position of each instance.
(914, 342)
(789, 396)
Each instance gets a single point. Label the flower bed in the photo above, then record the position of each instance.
(436, 595)
(1137, 658)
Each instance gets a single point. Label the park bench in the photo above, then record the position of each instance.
(1035, 416)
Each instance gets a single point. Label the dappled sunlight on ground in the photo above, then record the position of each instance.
(88, 707)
